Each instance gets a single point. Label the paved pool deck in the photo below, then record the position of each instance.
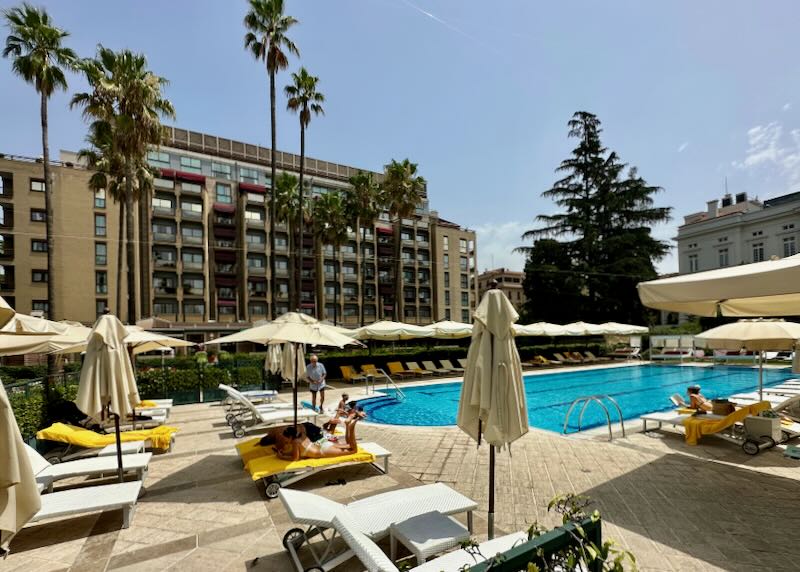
(675, 507)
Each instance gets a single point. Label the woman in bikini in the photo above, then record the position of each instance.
(304, 448)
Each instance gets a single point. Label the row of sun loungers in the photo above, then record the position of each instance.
(243, 415)
(400, 371)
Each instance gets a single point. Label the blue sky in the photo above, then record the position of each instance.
(477, 93)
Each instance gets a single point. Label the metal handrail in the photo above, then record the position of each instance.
(586, 400)
(389, 380)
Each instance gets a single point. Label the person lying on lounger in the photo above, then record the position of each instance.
(697, 400)
(305, 448)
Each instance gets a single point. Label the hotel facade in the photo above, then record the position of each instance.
(202, 248)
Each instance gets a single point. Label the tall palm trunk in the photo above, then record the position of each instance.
(48, 207)
(398, 279)
(336, 289)
(299, 276)
(130, 244)
(319, 269)
(120, 255)
(293, 302)
(362, 266)
(144, 254)
(273, 284)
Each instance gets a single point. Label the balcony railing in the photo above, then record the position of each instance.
(257, 293)
(282, 295)
(192, 265)
(169, 290)
(257, 246)
(281, 272)
(408, 242)
(225, 243)
(281, 248)
(192, 215)
(423, 243)
(164, 237)
(225, 269)
(191, 239)
(163, 211)
(254, 222)
(227, 221)
(255, 198)
(423, 263)
(256, 270)
(189, 291)
(164, 263)
(349, 255)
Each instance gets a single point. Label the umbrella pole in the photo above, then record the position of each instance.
(490, 516)
(119, 447)
(760, 376)
(294, 389)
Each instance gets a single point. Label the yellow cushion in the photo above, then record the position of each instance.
(268, 465)
(159, 437)
(147, 403)
(249, 450)
(685, 410)
(700, 425)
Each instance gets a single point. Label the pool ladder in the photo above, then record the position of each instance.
(586, 400)
(389, 381)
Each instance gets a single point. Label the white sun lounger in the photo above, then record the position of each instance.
(254, 395)
(373, 516)
(375, 560)
(67, 452)
(254, 417)
(47, 473)
(91, 499)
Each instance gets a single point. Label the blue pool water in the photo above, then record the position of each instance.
(637, 389)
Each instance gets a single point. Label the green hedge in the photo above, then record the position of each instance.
(30, 407)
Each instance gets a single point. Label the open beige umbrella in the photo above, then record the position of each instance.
(617, 329)
(447, 329)
(108, 383)
(391, 331)
(492, 403)
(19, 496)
(539, 329)
(6, 312)
(752, 335)
(139, 340)
(769, 288)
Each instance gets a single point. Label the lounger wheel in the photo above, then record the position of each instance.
(230, 417)
(53, 457)
(239, 432)
(314, 569)
(295, 536)
(751, 447)
(785, 436)
(272, 489)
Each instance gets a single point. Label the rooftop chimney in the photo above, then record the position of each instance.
(741, 198)
(727, 200)
(712, 208)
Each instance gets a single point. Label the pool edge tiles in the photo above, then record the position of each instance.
(639, 388)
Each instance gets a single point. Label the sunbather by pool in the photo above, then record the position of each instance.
(697, 400)
(305, 448)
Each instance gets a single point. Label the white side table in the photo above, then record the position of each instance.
(427, 534)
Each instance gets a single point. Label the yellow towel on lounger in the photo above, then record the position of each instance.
(700, 425)
(147, 403)
(268, 465)
(251, 449)
(159, 437)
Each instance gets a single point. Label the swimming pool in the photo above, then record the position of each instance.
(638, 390)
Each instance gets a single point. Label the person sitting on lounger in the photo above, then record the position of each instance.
(304, 448)
(343, 410)
(697, 400)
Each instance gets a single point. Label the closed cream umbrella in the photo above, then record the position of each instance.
(492, 403)
(6, 312)
(447, 329)
(272, 363)
(752, 335)
(769, 288)
(108, 383)
(293, 361)
(391, 331)
(19, 496)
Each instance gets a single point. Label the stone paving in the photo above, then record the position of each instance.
(675, 507)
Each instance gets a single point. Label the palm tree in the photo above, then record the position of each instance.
(403, 191)
(284, 205)
(266, 39)
(127, 96)
(329, 227)
(362, 208)
(305, 100)
(39, 58)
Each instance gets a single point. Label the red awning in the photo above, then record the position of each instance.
(224, 256)
(251, 188)
(228, 303)
(384, 230)
(191, 177)
(224, 232)
(225, 280)
(223, 208)
(257, 278)
(307, 305)
(167, 173)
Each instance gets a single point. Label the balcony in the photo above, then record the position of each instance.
(6, 253)
(256, 270)
(281, 248)
(165, 290)
(164, 237)
(193, 292)
(280, 226)
(281, 295)
(191, 189)
(6, 283)
(219, 243)
(282, 272)
(349, 255)
(165, 263)
(224, 221)
(192, 265)
(256, 246)
(254, 223)
(330, 274)
(423, 244)
(225, 269)
(191, 239)
(369, 297)
(408, 242)
(191, 215)
(423, 263)
(164, 211)
(255, 198)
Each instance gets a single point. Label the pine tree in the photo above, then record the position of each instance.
(605, 244)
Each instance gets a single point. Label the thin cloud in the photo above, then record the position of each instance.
(786, 106)
(496, 244)
(769, 150)
(682, 147)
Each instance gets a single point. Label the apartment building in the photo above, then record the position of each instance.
(508, 281)
(738, 230)
(202, 244)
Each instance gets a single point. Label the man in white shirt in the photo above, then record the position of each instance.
(315, 374)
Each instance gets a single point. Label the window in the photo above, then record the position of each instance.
(38, 245)
(693, 265)
(101, 282)
(100, 253)
(100, 199)
(463, 263)
(446, 260)
(445, 242)
(191, 187)
(789, 246)
(224, 194)
(5, 184)
(257, 288)
(447, 314)
(190, 164)
(408, 275)
(193, 285)
(254, 214)
(256, 261)
(194, 308)
(165, 283)
(465, 298)
(162, 203)
(99, 225)
(349, 269)
(40, 306)
(163, 183)
(447, 280)
(758, 252)
(788, 226)
(723, 257)
(256, 238)
(248, 175)
(464, 281)
(281, 241)
(756, 233)
(281, 263)
(192, 233)
(192, 207)
(38, 275)
(158, 158)
(725, 238)
(38, 215)
(191, 257)
(221, 169)
(37, 185)
(164, 256)
(100, 306)
(406, 234)
(425, 312)
(465, 316)
(163, 229)
(165, 307)
(258, 309)
(447, 297)
(462, 245)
